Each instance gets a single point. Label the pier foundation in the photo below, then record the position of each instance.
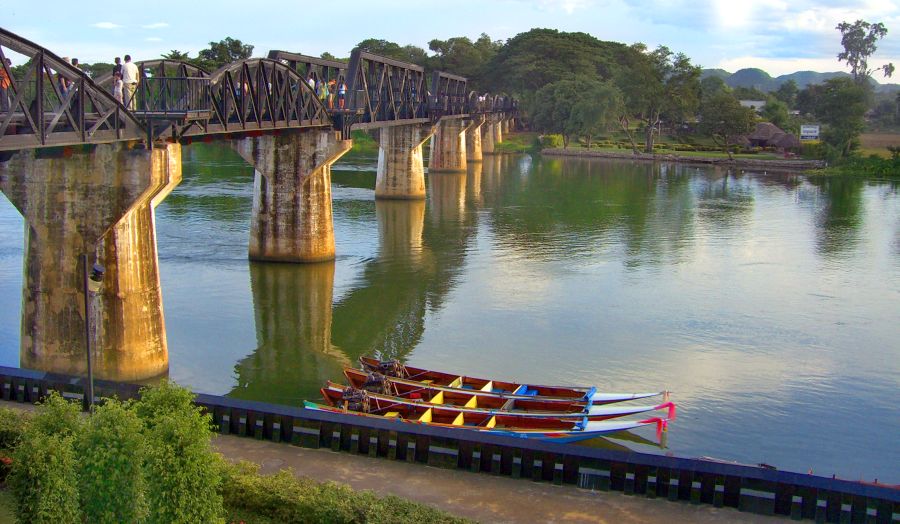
(98, 201)
(292, 212)
(401, 169)
(448, 147)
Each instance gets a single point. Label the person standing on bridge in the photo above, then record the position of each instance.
(130, 78)
(5, 83)
(342, 92)
(118, 84)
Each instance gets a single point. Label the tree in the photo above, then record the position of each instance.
(537, 58)
(409, 53)
(181, 470)
(461, 56)
(808, 99)
(724, 119)
(841, 107)
(776, 112)
(657, 85)
(858, 40)
(43, 477)
(712, 86)
(111, 453)
(578, 106)
(787, 93)
(176, 55)
(223, 52)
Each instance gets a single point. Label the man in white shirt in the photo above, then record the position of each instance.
(130, 77)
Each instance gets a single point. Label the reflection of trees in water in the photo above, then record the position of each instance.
(572, 207)
(217, 185)
(419, 262)
(839, 217)
(724, 199)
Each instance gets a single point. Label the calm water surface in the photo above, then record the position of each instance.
(768, 304)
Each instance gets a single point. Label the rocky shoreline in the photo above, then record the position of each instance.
(773, 165)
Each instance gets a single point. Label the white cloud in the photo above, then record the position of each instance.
(157, 25)
(569, 6)
(153, 39)
(106, 25)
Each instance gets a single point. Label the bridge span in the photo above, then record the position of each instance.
(87, 171)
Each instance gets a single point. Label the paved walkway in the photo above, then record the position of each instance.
(478, 496)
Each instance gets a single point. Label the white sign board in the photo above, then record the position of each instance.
(809, 132)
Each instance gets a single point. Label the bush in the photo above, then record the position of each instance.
(283, 498)
(43, 479)
(552, 141)
(181, 470)
(110, 468)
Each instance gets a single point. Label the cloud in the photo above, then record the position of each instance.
(157, 25)
(153, 39)
(568, 6)
(106, 25)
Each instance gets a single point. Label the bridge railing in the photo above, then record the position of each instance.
(53, 103)
(448, 95)
(173, 98)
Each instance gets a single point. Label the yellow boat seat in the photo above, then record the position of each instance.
(459, 420)
(392, 414)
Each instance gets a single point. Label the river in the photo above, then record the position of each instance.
(766, 303)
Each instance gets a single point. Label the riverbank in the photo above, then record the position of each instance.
(481, 497)
(769, 165)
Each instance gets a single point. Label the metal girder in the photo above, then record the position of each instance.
(319, 69)
(381, 89)
(57, 104)
(259, 94)
(448, 95)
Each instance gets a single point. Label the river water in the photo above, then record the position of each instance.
(769, 305)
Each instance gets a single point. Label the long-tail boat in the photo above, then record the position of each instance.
(465, 402)
(543, 428)
(399, 373)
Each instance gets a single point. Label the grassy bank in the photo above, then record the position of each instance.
(524, 142)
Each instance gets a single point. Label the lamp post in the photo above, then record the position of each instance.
(91, 284)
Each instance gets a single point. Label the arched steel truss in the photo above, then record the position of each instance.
(53, 103)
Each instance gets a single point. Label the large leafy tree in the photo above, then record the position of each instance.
(580, 106)
(787, 93)
(223, 52)
(841, 107)
(461, 56)
(858, 40)
(408, 53)
(657, 85)
(532, 60)
(724, 119)
(776, 112)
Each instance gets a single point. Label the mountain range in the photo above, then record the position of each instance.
(759, 79)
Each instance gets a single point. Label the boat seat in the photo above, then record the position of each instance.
(459, 420)
(437, 399)
(491, 423)
(456, 383)
(426, 417)
(489, 386)
(473, 402)
(392, 414)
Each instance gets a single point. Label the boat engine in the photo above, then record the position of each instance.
(355, 400)
(376, 383)
(392, 368)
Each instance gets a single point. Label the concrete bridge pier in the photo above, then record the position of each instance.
(473, 140)
(401, 167)
(488, 136)
(448, 147)
(99, 201)
(292, 213)
(498, 132)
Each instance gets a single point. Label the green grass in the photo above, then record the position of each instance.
(7, 507)
(518, 143)
(695, 154)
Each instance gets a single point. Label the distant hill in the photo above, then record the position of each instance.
(759, 79)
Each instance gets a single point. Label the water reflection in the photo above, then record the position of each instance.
(840, 216)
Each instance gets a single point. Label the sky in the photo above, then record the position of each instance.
(778, 36)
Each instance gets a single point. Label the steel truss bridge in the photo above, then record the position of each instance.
(57, 104)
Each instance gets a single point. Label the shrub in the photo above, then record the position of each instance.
(552, 141)
(181, 471)
(57, 416)
(283, 498)
(12, 424)
(110, 474)
(43, 479)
